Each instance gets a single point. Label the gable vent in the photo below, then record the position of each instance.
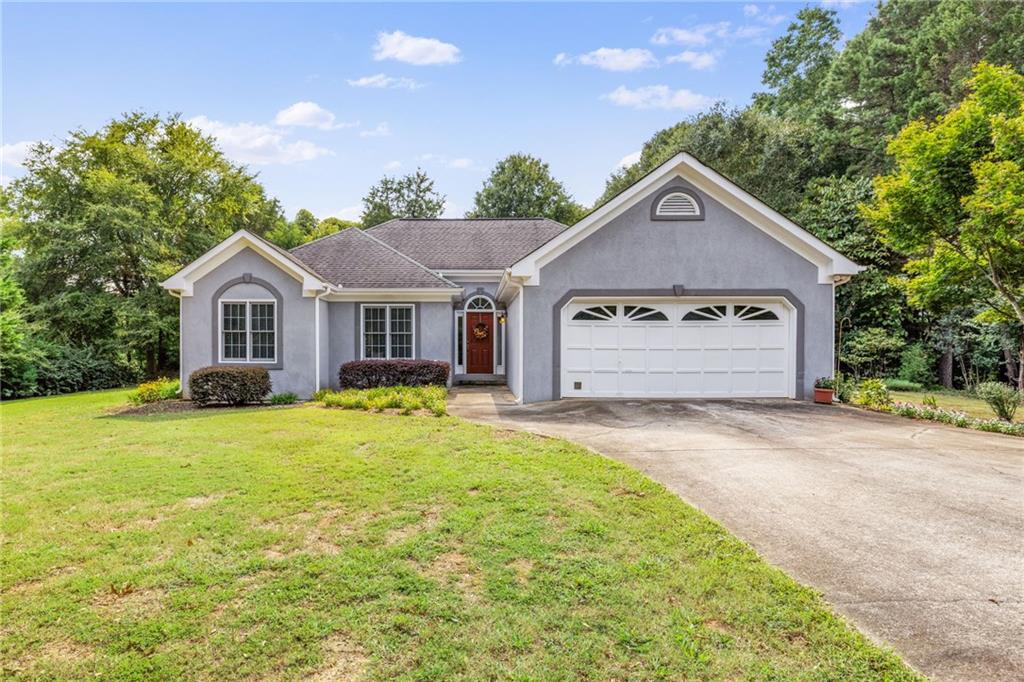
(678, 205)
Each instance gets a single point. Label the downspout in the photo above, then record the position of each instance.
(316, 336)
(181, 365)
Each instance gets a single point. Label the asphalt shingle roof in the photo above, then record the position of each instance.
(468, 244)
(355, 259)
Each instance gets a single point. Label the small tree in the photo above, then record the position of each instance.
(521, 186)
(411, 196)
(872, 351)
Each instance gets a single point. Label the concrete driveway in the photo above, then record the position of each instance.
(912, 530)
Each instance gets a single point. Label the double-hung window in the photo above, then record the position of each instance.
(248, 331)
(387, 332)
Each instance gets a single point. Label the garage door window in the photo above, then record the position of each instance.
(754, 313)
(597, 313)
(639, 313)
(708, 312)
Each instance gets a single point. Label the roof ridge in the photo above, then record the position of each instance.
(411, 260)
(326, 236)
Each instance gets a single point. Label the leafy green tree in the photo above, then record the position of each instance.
(329, 226)
(521, 186)
(107, 215)
(912, 61)
(289, 234)
(955, 201)
(829, 210)
(410, 196)
(872, 351)
(768, 155)
(798, 63)
(17, 356)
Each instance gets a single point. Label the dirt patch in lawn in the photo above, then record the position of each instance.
(125, 601)
(43, 582)
(456, 569)
(63, 651)
(159, 407)
(317, 538)
(429, 518)
(522, 568)
(343, 660)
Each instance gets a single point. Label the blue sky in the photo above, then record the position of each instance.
(323, 99)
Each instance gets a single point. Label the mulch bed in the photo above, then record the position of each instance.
(159, 407)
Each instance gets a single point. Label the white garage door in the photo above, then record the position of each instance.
(700, 349)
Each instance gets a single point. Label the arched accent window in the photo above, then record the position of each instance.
(754, 313)
(639, 313)
(477, 303)
(597, 312)
(706, 313)
(676, 204)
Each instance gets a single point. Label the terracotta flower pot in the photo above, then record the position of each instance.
(823, 395)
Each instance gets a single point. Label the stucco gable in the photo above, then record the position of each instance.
(832, 266)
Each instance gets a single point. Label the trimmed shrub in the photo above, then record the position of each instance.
(407, 399)
(381, 373)
(1003, 399)
(229, 385)
(903, 385)
(153, 391)
(872, 393)
(284, 398)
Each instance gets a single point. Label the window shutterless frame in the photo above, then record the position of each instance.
(387, 331)
(248, 331)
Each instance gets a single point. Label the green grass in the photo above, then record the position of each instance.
(229, 544)
(954, 400)
(406, 399)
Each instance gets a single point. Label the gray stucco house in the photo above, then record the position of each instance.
(683, 285)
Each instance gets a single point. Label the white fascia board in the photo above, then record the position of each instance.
(183, 280)
(830, 263)
(371, 295)
(472, 275)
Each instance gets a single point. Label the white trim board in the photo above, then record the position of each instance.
(183, 280)
(832, 265)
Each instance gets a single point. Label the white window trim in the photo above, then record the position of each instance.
(248, 331)
(387, 329)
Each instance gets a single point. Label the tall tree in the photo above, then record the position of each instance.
(799, 61)
(330, 225)
(955, 201)
(768, 155)
(107, 215)
(521, 186)
(289, 234)
(410, 196)
(911, 61)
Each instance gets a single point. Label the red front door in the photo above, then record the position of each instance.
(480, 343)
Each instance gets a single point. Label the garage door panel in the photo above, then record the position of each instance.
(721, 352)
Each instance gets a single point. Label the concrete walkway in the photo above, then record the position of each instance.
(912, 530)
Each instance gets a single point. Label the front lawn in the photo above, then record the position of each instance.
(961, 401)
(282, 542)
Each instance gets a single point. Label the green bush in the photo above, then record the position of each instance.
(872, 351)
(229, 385)
(872, 393)
(1003, 399)
(845, 388)
(916, 363)
(903, 385)
(69, 369)
(404, 398)
(284, 398)
(153, 391)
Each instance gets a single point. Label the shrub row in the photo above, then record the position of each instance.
(229, 385)
(381, 373)
(955, 418)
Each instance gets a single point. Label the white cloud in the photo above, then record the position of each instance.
(459, 163)
(382, 130)
(16, 153)
(751, 10)
(309, 115)
(703, 34)
(403, 47)
(629, 160)
(379, 80)
(258, 144)
(561, 59)
(657, 97)
(349, 212)
(393, 165)
(680, 36)
(697, 60)
(618, 59)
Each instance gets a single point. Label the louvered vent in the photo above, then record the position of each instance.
(678, 205)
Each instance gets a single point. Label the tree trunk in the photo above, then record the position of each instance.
(1010, 357)
(150, 362)
(946, 368)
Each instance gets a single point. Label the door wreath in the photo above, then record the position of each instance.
(480, 331)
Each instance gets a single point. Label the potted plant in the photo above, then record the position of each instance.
(824, 390)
